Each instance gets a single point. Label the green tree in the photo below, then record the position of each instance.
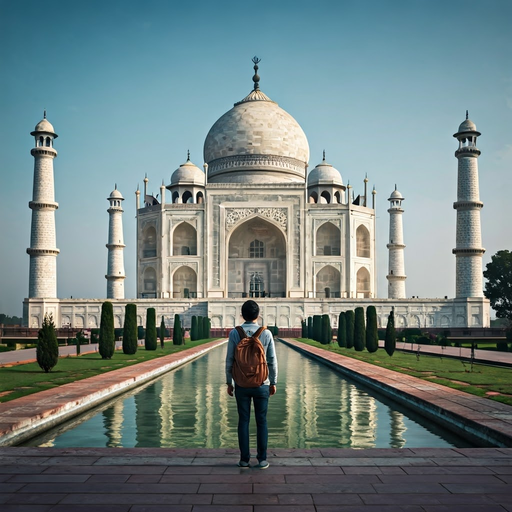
(130, 329)
(390, 339)
(193, 329)
(310, 328)
(47, 351)
(304, 329)
(498, 288)
(372, 334)
(151, 337)
(350, 321)
(200, 335)
(177, 335)
(317, 327)
(342, 330)
(162, 332)
(141, 333)
(326, 330)
(107, 341)
(359, 329)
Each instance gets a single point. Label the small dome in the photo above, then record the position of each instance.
(396, 195)
(324, 173)
(189, 174)
(467, 126)
(44, 126)
(115, 194)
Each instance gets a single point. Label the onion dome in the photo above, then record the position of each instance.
(467, 126)
(324, 174)
(188, 174)
(256, 142)
(115, 194)
(44, 126)
(395, 195)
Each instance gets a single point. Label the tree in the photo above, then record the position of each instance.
(177, 335)
(193, 329)
(498, 288)
(310, 328)
(390, 339)
(342, 330)
(106, 341)
(200, 328)
(359, 330)
(47, 351)
(162, 332)
(304, 329)
(372, 334)
(350, 319)
(141, 333)
(317, 327)
(326, 330)
(151, 337)
(130, 329)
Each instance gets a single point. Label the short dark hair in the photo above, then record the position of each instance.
(250, 311)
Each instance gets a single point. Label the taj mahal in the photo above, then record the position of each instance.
(255, 220)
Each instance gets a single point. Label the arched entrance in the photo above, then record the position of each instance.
(184, 283)
(256, 260)
(328, 283)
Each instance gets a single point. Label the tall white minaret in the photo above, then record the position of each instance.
(115, 268)
(396, 271)
(43, 251)
(468, 249)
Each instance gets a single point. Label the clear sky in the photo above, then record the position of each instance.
(381, 85)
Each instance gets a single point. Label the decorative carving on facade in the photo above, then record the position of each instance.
(256, 161)
(177, 264)
(320, 222)
(235, 215)
(319, 265)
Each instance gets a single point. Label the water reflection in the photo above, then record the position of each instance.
(314, 407)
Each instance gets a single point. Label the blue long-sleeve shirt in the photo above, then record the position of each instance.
(267, 340)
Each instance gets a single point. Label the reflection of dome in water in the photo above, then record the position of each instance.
(256, 142)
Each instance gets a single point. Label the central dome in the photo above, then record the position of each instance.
(256, 142)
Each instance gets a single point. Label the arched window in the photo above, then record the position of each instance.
(48, 142)
(187, 197)
(328, 283)
(363, 242)
(363, 288)
(256, 285)
(337, 197)
(326, 196)
(149, 243)
(41, 141)
(149, 284)
(184, 283)
(256, 249)
(199, 198)
(184, 240)
(313, 198)
(328, 240)
(175, 197)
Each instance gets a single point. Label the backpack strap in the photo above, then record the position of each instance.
(258, 332)
(241, 332)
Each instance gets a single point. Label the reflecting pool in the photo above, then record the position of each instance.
(189, 407)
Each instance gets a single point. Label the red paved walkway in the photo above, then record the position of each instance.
(166, 480)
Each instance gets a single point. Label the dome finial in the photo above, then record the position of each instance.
(256, 77)
(324, 156)
(467, 114)
(44, 114)
(188, 155)
(115, 188)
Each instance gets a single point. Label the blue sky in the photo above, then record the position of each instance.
(130, 86)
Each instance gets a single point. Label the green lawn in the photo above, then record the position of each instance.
(25, 379)
(479, 380)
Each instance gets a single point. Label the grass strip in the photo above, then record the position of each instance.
(26, 379)
(488, 381)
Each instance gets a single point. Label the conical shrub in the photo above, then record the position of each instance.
(47, 351)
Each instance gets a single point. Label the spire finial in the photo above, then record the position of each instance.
(467, 114)
(44, 114)
(188, 155)
(324, 156)
(395, 186)
(256, 77)
(115, 188)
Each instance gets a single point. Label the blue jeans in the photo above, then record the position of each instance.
(243, 401)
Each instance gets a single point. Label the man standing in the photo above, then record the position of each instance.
(259, 395)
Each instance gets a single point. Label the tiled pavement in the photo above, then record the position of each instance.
(158, 480)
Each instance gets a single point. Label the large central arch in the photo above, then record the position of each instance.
(256, 260)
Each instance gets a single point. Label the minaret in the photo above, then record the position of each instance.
(43, 251)
(468, 250)
(396, 276)
(115, 269)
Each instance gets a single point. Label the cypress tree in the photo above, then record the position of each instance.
(200, 327)
(372, 333)
(342, 330)
(106, 341)
(162, 332)
(390, 339)
(326, 330)
(310, 328)
(177, 335)
(141, 333)
(205, 327)
(150, 340)
(130, 329)
(317, 327)
(303, 329)
(359, 330)
(193, 329)
(47, 351)
(349, 320)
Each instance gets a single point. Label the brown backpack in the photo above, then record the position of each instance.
(250, 368)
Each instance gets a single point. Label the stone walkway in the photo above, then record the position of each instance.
(341, 480)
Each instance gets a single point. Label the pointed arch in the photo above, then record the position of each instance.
(326, 197)
(328, 240)
(149, 283)
(149, 242)
(313, 198)
(363, 286)
(363, 242)
(199, 198)
(175, 196)
(184, 282)
(327, 283)
(184, 240)
(187, 197)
